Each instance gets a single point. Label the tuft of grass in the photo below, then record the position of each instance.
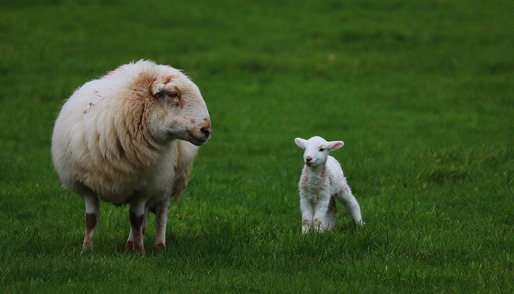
(421, 93)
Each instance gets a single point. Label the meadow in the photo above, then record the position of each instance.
(421, 92)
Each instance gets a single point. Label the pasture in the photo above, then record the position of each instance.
(421, 92)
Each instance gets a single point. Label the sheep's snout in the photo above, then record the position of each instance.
(206, 131)
(201, 135)
(308, 160)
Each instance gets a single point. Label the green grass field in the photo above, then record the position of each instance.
(422, 93)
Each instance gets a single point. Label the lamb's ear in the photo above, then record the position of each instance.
(334, 145)
(158, 90)
(300, 142)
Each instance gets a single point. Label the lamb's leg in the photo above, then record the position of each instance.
(320, 215)
(161, 220)
(331, 214)
(92, 216)
(307, 214)
(137, 216)
(352, 206)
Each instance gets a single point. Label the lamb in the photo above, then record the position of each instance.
(129, 137)
(322, 181)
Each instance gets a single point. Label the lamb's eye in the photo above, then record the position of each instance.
(321, 149)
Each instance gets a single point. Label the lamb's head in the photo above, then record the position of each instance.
(316, 150)
(177, 109)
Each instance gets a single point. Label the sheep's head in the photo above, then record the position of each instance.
(177, 109)
(316, 150)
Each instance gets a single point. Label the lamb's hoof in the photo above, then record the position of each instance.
(159, 247)
(318, 225)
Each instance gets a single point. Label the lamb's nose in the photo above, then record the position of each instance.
(206, 131)
(308, 159)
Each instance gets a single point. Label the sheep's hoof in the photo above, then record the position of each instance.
(84, 251)
(129, 246)
(86, 248)
(159, 247)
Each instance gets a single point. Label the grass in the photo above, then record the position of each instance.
(421, 93)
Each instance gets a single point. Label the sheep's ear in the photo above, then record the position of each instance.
(158, 90)
(300, 142)
(334, 145)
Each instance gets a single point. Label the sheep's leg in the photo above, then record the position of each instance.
(145, 220)
(307, 214)
(331, 214)
(352, 206)
(161, 220)
(320, 215)
(137, 218)
(92, 216)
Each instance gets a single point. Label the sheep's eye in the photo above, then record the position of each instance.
(173, 98)
(321, 149)
(173, 95)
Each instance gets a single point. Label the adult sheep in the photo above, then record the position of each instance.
(130, 137)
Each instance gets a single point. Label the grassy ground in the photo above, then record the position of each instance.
(420, 91)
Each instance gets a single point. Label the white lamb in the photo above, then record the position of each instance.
(130, 137)
(321, 182)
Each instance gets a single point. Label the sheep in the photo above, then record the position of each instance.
(322, 181)
(129, 137)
